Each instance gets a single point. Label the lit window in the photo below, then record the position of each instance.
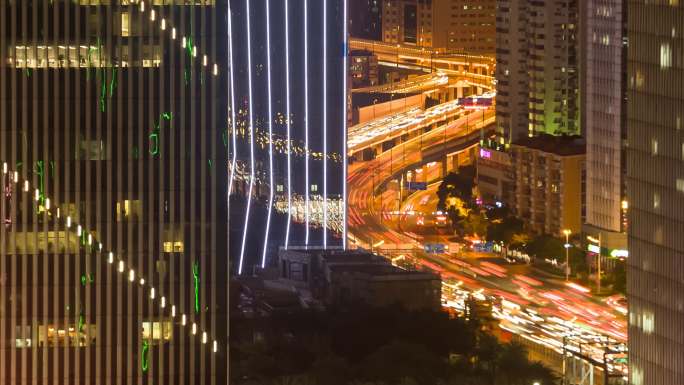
(680, 184)
(648, 322)
(125, 24)
(654, 146)
(314, 188)
(173, 247)
(79, 334)
(656, 200)
(665, 55)
(157, 331)
(637, 375)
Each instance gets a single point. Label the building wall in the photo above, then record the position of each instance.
(539, 44)
(465, 25)
(494, 176)
(458, 25)
(395, 14)
(655, 190)
(603, 110)
(548, 190)
(120, 127)
(511, 70)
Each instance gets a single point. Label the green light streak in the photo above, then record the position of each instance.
(154, 143)
(113, 82)
(144, 362)
(86, 279)
(195, 278)
(154, 136)
(103, 92)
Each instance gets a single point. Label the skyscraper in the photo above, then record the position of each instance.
(537, 75)
(113, 148)
(655, 188)
(603, 111)
(289, 68)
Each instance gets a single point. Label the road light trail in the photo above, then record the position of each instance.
(270, 134)
(251, 141)
(289, 118)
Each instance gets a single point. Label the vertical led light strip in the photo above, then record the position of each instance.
(325, 124)
(289, 139)
(306, 121)
(344, 128)
(270, 132)
(251, 140)
(232, 103)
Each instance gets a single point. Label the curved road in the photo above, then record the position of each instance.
(537, 307)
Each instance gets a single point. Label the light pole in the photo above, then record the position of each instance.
(567, 254)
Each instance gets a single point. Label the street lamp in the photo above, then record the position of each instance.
(567, 254)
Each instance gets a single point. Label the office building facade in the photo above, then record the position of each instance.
(465, 26)
(113, 247)
(537, 73)
(655, 190)
(603, 113)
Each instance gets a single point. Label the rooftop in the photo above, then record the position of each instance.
(565, 145)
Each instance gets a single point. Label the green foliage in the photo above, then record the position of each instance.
(618, 277)
(457, 185)
(365, 345)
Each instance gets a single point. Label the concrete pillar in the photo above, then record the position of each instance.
(479, 91)
(459, 92)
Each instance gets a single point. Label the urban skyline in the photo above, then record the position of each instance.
(341, 192)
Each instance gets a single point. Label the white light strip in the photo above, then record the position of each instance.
(270, 134)
(287, 116)
(325, 124)
(344, 126)
(306, 121)
(232, 103)
(251, 141)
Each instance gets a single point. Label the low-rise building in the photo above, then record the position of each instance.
(494, 175)
(337, 276)
(549, 183)
(363, 68)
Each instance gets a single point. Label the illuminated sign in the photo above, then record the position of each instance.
(485, 154)
(619, 253)
(594, 248)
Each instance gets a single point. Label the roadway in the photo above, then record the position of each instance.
(377, 131)
(540, 308)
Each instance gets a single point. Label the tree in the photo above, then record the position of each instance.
(407, 362)
(545, 246)
(458, 185)
(505, 229)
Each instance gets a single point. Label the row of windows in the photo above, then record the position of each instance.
(82, 334)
